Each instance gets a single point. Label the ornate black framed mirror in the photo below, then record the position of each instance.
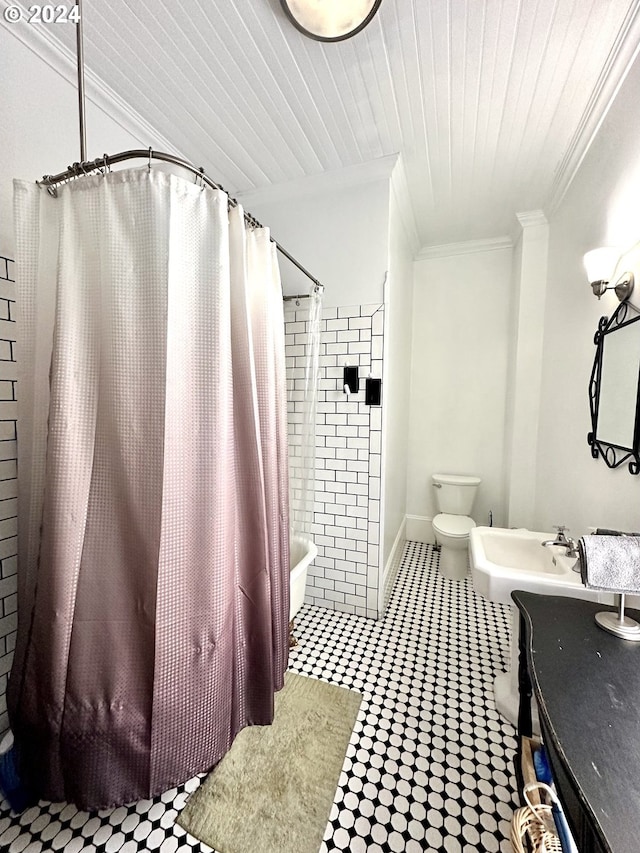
(614, 390)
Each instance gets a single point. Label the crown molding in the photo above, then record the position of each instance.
(63, 61)
(468, 247)
(621, 57)
(335, 179)
(529, 218)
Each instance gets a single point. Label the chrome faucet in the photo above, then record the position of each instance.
(563, 541)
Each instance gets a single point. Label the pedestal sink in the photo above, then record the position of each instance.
(506, 559)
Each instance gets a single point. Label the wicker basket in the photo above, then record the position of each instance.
(532, 826)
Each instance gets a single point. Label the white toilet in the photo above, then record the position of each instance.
(455, 495)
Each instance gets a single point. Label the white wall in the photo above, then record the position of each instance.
(39, 129)
(458, 380)
(601, 208)
(396, 379)
(526, 321)
(510, 411)
(335, 225)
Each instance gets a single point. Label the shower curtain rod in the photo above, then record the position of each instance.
(297, 296)
(103, 163)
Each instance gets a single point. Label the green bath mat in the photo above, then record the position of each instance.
(274, 789)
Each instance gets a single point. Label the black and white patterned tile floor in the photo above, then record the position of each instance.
(429, 766)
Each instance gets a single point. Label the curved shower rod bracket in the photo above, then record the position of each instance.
(103, 165)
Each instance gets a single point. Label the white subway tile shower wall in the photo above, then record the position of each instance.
(346, 528)
(8, 482)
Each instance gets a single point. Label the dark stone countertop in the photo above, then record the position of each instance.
(587, 683)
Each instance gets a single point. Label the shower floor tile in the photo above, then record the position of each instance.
(429, 766)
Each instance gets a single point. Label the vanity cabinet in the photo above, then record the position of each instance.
(587, 686)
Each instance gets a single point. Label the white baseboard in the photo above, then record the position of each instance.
(420, 529)
(392, 566)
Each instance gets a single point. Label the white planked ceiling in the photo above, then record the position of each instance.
(491, 103)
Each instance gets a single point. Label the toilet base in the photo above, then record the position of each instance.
(454, 562)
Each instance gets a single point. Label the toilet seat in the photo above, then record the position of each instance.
(454, 526)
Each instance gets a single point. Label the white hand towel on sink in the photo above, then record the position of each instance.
(610, 562)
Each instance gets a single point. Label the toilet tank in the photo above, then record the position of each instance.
(455, 493)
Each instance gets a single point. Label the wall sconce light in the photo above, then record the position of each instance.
(330, 20)
(600, 265)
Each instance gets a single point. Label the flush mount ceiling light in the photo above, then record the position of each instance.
(600, 265)
(330, 20)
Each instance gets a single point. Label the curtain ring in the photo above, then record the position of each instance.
(105, 162)
(150, 156)
(51, 189)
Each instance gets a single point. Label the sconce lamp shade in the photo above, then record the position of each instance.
(330, 20)
(600, 264)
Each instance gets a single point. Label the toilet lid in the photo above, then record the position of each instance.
(453, 525)
(456, 479)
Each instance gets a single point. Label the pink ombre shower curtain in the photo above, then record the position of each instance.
(153, 519)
